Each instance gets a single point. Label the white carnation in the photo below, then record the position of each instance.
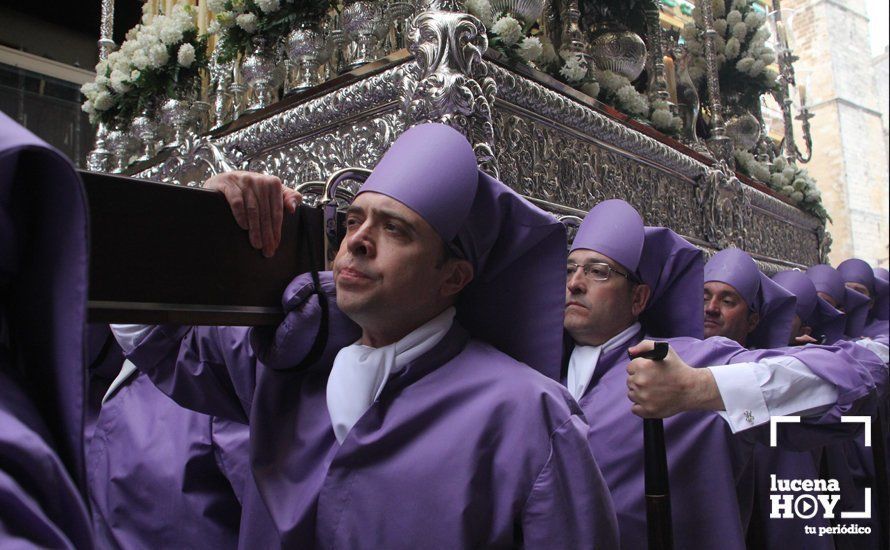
(531, 48)
(632, 101)
(797, 196)
(740, 30)
(575, 69)
(119, 81)
(481, 10)
(756, 68)
(89, 89)
(170, 34)
(734, 17)
(508, 30)
(744, 64)
(662, 119)
(733, 48)
(158, 56)
(141, 60)
(186, 55)
(591, 88)
(88, 108)
(103, 101)
(247, 21)
(720, 25)
(216, 6)
(268, 6)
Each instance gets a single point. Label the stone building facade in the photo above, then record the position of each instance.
(848, 96)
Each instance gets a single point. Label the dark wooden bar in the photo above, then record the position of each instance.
(163, 253)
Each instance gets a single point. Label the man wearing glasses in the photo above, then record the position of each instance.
(627, 284)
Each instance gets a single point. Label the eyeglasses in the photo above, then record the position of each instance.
(596, 271)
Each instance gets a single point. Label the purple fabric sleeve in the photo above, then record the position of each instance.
(586, 519)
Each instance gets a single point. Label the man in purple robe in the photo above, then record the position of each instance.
(830, 287)
(43, 282)
(860, 277)
(429, 426)
(815, 320)
(160, 475)
(626, 283)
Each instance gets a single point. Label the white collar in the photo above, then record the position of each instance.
(583, 361)
(360, 372)
(127, 370)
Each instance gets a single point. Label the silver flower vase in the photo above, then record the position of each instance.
(145, 128)
(259, 73)
(176, 113)
(361, 23)
(100, 158)
(305, 45)
(622, 52)
(401, 14)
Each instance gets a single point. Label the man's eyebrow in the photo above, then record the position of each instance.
(354, 210)
(393, 215)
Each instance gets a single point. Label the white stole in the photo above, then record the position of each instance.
(583, 361)
(360, 372)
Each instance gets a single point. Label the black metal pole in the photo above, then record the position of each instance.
(658, 498)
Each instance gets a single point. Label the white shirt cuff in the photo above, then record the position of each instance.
(743, 401)
(879, 349)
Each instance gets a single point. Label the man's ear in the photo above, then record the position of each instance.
(459, 275)
(753, 321)
(640, 299)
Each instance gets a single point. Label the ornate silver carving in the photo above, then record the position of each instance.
(448, 81)
(724, 207)
(564, 155)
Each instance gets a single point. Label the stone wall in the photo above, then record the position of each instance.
(850, 160)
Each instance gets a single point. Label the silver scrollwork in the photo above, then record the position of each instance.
(448, 81)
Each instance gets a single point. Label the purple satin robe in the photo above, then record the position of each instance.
(466, 448)
(160, 476)
(43, 283)
(711, 478)
(40, 507)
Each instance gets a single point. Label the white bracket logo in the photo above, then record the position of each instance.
(864, 420)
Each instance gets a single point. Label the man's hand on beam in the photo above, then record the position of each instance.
(257, 202)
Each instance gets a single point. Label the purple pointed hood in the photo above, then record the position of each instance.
(774, 304)
(656, 256)
(674, 270)
(826, 321)
(615, 229)
(882, 299)
(852, 303)
(855, 270)
(516, 300)
(43, 281)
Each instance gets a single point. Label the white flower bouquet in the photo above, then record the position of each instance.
(787, 179)
(236, 22)
(160, 56)
(743, 57)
